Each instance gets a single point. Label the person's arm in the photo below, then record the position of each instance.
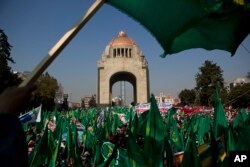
(13, 146)
(14, 100)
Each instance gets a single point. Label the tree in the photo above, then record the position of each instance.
(47, 87)
(207, 77)
(83, 104)
(7, 77)
(239, 97)
(92, 101)
(248, 75)
(187, 96)
(5, 47)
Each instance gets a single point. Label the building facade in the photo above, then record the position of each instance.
(236, 82)
(167, 99)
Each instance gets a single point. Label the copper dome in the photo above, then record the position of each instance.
(121, 40)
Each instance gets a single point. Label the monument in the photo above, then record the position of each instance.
(122, 60)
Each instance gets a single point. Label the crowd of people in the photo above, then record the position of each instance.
(16, 140)
(119, 137)
(33, 137)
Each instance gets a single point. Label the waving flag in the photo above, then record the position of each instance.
(32, 116)
(191, 156)
(184, 24)
(220, 123)
(154, 136)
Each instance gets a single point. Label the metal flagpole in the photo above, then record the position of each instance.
(61, 44)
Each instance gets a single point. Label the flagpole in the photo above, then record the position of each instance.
(61, 44)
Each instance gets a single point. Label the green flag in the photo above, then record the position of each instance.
(191, 156)
(195, 122)
(53, 146)
(240, 119)
(243, 143)
(135, 125)
(56, 140)
(220, 122)
(168, 156)
(204, 128)
(98, 158)
(134, 152)
(154, 136)
(71, 141)
(208, 24)
(142, 122)
(170, 120)
(88, 138)
(115, 123)
(40, 153)
(123, 158)
(72, 144)
(232, 139)
(84, 117)
(107, 150)
(175, 138)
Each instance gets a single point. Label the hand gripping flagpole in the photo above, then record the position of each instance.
(61, 44)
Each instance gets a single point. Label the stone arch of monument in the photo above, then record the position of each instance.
(122, 60)
(124, 76)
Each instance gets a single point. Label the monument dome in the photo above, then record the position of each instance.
(122, 39)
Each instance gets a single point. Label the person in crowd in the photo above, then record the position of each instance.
(122, 136)
(13, 145)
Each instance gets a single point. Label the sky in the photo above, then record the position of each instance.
(33, 27)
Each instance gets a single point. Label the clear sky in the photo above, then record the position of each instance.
(33, 27)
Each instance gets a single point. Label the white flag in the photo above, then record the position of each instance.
(32, 116)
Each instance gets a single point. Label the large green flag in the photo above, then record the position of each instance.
(98, 158)
(240, 119)
(135, 125)
(172, 132)
(175, 138)
(204, 128)
(41, 151)
(196, 122)
(184, 24)
(220, 123)
(123, 158)
(88, 138)
(134, 152)
(115, 123)
(119, 159)
(232, 139)
(84, 118)
(243, 131)
(168, 155)
(142, 122)
(170, 121)
(154, 136)
(55, 139)
(191, 156)
(243, 143)
(72, 144)
(53, 146)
